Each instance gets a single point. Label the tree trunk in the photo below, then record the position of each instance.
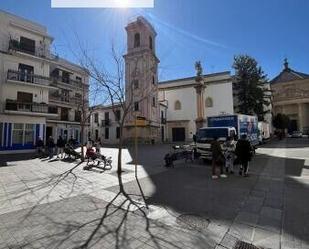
(119, 164)
(82, 158)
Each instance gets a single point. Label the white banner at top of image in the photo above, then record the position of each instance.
(102, 3)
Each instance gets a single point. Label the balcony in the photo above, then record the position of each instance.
(67, 82)
(58, 98)
(77, 118)
(64, 117)
(15, 75)
(15, 45)
(105, 122)
(18, 106)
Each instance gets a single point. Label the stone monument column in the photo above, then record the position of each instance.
(200, 99)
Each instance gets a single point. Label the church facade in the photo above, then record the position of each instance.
(291, 97)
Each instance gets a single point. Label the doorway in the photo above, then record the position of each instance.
(162, 133)
(178, 134)
(292, 126)
(49, 132)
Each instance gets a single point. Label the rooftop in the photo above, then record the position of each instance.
(213, 77)
(288, 74)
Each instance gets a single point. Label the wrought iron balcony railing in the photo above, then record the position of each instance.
(68, 81)
(14, 105)
(28, 77)
(40, 51)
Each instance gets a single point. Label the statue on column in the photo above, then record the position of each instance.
(199, 71)
(199, 87)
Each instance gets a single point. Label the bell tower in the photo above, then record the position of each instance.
(141, 76)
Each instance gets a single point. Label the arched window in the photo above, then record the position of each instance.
(150, 42)
(177, 105)
(137, 40)
(209, 102)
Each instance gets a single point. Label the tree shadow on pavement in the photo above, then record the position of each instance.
(267, 198)
(5, 159)
(87, 222)
(271, 202)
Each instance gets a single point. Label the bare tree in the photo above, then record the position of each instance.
(120, 95)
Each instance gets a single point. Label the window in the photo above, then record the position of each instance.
(117, 115)
(117, 132)
(27, 45)
(150, 42)
(209, 102)
(136, 106)
(177, 105)
(79, 79)
(78, 116)
(153, 80)
(96, 135)
(18, 133)
(78, 95)
(64, 114)
(96, 118)
(24, 97)
(137, 40)
(135, 84)
(65, 95)
(29, 133)
(106, 115)
(65, 77)
(106, 133)
(25, 72)
(154, 101)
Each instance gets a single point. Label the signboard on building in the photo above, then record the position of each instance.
(140, 121)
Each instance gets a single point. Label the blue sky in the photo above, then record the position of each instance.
(212, 31)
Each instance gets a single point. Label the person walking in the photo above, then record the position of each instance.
(60, 146)
(229, 154)
(98, 147)
(40, 145)
(243, 152)
(50, 146)
(217, 158)
(71, 141)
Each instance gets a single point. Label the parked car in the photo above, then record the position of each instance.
(297, 134)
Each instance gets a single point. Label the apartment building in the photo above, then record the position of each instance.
(40, 94)
(104, 123)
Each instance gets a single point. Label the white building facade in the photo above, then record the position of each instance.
(181, 108)
(27, 82)
(104, 125)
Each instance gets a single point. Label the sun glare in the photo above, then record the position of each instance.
(123, 3)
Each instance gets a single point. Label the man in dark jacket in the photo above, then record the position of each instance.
(50, 146)
(60, 146)
(40, 145)
(217, 158)
(243, 152)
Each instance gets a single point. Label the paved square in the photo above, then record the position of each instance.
(57, 204)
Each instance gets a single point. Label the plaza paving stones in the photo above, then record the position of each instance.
(56, 204)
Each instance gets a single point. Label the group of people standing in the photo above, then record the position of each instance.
(51, 145)
(232, 150)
